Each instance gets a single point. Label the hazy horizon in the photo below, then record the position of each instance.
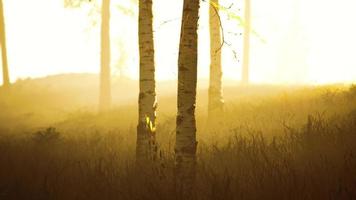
(300, 42)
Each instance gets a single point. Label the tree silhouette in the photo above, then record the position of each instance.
(105, 51)
(5, 67)
(105, 89)
(216, 102)
(246, 43)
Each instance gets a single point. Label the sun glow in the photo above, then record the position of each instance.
(312, 41)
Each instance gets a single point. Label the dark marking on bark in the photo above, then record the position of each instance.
(179, 120)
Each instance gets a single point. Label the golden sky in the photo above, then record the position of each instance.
(305, 41)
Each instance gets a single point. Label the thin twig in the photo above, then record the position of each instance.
(221, 27)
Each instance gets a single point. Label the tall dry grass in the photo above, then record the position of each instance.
(298, 145)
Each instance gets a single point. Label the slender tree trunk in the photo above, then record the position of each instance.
(105, 90)
(5, 69)
(216, 102)
(186, 144)
(146, 144)
(246, 44)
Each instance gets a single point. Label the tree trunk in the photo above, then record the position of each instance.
(5, 69)
(186, 144)
(216, 102)
(246, 43)
(146, 144)
(105, 90)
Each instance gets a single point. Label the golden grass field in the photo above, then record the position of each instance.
(272, 142)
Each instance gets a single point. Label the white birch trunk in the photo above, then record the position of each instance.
(186, 144)
(146, 144)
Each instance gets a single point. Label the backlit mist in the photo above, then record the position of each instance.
(177, 99)
(297, 42)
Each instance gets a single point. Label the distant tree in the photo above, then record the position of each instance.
(105, 51)
(5, 68)
(246, 43)
(105, 85)
(186, 144)
(146, 142)
(216, 102)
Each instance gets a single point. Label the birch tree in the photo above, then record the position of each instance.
(146, 142)
(216, 102)
(5, 68)
(105, 51)
(105, 88)
(186, 144)
(246, 43)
